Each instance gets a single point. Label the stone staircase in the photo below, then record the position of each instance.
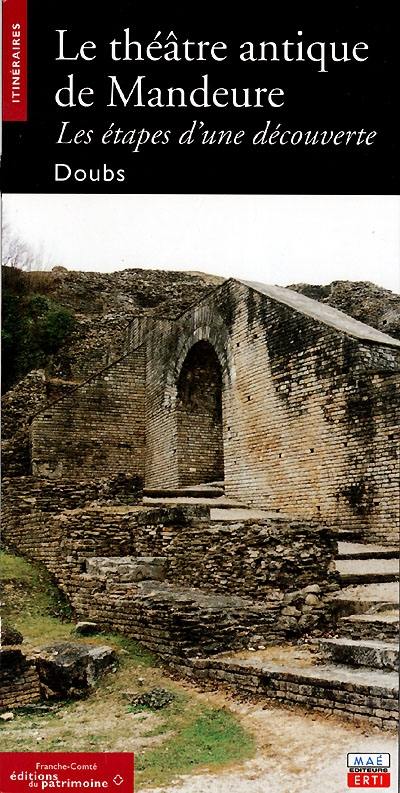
(207, 490)
(352, 674)
(355, 673)
(382, 624)
(209, 494)
(361, 694)
(367, 606)
(370, 653)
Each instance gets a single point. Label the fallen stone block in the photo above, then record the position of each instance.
(86, 628)
(71, 670)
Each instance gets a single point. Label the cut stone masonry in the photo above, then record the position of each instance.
(291, 402)
(262, 426)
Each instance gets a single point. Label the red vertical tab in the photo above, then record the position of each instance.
(14, 60)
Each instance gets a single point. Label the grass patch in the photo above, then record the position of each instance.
(211, 737)
(137, 655)
(34, 605)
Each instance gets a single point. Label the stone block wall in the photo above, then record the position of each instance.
(210, 597)
(368, 479)
(360, 702)
(309, 414)
(35, 523)
(257, 558)
(98, 429)
(250, 558)
(26, 497)
(19, 680)
(177, 622)
(17, 405)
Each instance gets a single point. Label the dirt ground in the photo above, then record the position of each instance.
(297, 753)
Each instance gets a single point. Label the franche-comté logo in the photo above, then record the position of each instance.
(27, 772)
(368, 770)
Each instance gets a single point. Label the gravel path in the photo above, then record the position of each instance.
(297, 754)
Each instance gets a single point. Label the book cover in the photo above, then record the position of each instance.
(200, 393)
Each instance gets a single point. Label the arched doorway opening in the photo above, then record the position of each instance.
(199, 417)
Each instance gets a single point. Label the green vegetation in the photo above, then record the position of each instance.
(136, 654)
(33, 604)
(34, 325)
(211, 737)
(191, 732)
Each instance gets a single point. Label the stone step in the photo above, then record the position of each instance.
(358, 550)
(204, 487)
(197, 491)
(361, 694)
(377, 566)
(367, 571)
(379, 625)
(221, 502)
(362, 652)
(368, 578)
(346, 535)
(235, 514)
(365, 597)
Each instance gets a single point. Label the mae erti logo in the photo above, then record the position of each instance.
(24, 772)
(368, 770)
(15, 43)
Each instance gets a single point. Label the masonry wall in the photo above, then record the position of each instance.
(98, 429)
(162, 466)
(360, 703)
(19, 680)
(368, 478)
(309, 414)
(312, 427)
(222, 584)
(250, 558)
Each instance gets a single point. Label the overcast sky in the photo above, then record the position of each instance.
(275, 239)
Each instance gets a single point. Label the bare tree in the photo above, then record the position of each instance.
(16, 252)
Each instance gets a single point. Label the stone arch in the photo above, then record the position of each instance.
(214, 332)
(198, 406)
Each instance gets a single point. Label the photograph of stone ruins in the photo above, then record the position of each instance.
(200, 517)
